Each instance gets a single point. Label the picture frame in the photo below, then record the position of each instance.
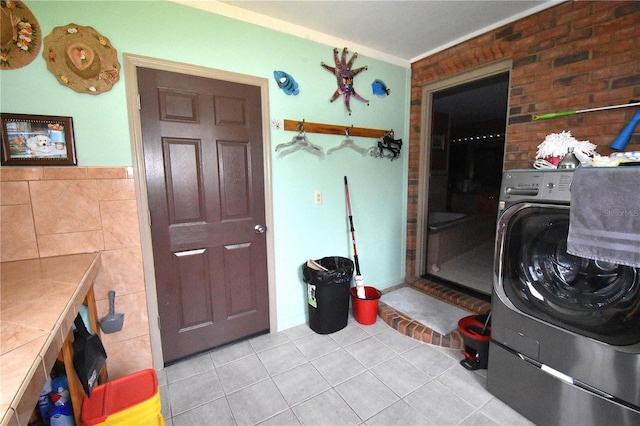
(37, 140)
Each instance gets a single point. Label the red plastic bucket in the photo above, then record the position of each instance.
(365, 311)
(476, 341)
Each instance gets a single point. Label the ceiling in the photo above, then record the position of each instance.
(399, 31)
(396, 31)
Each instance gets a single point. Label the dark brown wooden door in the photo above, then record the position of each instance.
(202, 142)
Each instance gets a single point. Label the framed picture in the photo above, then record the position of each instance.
(37, 140)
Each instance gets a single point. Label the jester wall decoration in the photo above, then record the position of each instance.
(344, 76)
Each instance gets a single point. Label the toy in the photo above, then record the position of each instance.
(286, 82)
(379, 88)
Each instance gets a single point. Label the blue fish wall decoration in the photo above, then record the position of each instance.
(288, 85)
(379, 88)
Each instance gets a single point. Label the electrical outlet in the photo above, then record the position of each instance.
(318, 197)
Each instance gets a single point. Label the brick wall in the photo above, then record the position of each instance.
(576, 55)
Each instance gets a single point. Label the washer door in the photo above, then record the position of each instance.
(597, 299)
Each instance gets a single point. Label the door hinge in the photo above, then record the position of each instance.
(149, 216)
(139, 102)
(159, 326)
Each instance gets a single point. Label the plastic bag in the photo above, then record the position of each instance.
(338, 270)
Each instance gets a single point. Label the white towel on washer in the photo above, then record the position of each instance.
(604, 220)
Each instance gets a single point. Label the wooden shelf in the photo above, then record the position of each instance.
(333, 129)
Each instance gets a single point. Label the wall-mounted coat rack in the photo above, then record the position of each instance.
(332, 129)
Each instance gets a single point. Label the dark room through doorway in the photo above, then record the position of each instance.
(465, 169)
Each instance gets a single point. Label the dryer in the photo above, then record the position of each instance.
(565, 337)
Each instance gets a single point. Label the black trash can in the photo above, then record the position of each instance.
(328, 293)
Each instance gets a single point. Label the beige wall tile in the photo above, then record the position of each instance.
(20, 173)
(77, 210)
(65, 206)
(107, 173)
(120, 224)
(128, 356)
(14, 193)
(17, 233)
(121, 271)
(64, 173)
(116, 189)
(70, 243)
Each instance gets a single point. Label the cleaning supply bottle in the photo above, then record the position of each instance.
(61, 412)
(44, 403)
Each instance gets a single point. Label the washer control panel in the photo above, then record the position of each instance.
(536, 185)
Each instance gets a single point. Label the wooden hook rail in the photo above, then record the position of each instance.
(333, 129)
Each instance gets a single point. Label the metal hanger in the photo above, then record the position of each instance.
(348, 143)
(299, 142)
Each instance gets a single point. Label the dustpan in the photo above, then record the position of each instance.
(111, 322)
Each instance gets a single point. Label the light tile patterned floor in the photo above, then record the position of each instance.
(360, 375)
(473, 269)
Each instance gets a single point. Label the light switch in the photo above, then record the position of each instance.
(318, 197)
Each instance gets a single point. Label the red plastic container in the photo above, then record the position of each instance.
(365, 311)
(476, 342)
(128, 400)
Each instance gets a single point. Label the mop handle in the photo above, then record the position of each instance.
(563, 113)
(353, 235)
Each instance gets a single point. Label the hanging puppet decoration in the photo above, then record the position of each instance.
(288, 85)
(379, 88)
(344, 76)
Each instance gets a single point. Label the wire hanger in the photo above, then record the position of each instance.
(299, 142)
(348, 143)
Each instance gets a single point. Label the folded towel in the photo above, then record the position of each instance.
(604, 220)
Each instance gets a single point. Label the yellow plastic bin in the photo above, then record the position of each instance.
(129, 400)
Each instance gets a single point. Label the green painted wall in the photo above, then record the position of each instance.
(303, 229)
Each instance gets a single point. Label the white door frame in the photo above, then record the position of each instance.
(131, 62)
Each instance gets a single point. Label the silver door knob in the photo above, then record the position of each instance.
(260, 229)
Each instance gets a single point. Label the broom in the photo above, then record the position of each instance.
(359, 279)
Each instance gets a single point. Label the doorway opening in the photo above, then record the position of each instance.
(466, 150)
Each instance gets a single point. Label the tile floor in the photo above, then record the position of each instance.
(360, 375)
(473, 269)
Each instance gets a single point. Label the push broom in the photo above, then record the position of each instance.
(359, 279)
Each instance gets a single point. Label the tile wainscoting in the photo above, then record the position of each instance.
(54, 211)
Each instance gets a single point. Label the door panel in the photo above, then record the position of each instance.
(184, 190)
(202, 142)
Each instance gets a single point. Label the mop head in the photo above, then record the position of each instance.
(559, 144)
